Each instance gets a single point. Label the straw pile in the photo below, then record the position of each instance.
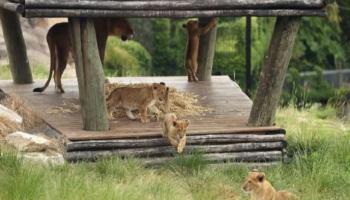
(181, 103)
(30, 119)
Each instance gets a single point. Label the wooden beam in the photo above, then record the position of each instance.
(248, 49)
(168, 13)
(89, 74)
(274, 71)
(206, 52)
(16, 47)
(175, 4)
(157, 142)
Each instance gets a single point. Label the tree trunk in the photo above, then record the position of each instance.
(274, 71)
(206, 52)
(90, 75)
(16, 48)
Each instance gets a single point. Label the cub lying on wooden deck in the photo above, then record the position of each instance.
(175, 131)
(138, 98)
(261, 189)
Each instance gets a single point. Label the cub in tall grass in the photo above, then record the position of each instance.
(175, 131)
(261, 189)
(138, 98)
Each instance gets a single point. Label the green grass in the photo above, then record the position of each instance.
(38, 72)
(319, 168)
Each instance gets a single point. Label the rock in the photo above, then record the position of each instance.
(25, 142)
(10, 114)
(52, 158)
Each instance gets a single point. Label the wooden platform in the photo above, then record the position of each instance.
(229, 117)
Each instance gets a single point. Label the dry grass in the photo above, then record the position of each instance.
(30, 119)
(183, 104)
(7, 127)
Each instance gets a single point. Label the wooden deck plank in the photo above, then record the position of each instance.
(230, 109)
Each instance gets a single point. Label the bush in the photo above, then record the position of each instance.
(126, 58)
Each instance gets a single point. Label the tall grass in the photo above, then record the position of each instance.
(319, 168)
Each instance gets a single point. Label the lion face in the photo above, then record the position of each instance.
(121, 27)
(181, 127)
(254, 181)
(160, 91)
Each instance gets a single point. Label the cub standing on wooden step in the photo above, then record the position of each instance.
(60, 45)
(193, 34)
(138, 98)
(175, 131)
(261, 189)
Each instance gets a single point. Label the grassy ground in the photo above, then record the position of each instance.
(319, 144)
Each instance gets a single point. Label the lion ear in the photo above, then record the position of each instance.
(261, 177)
(162, 83)
(187, 122)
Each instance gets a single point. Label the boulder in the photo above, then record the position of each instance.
(25, 142)
(52, 158)
(10, 115)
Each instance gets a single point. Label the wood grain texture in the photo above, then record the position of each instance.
(16, 47)
(230, 106)
(175, 4)
(206, 51)
(274, 71)
(45, 12)
(157, 142)
(90, 75)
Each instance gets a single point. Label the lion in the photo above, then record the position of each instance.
(175, 131)
(138, 98)
(261, 189)
(194, 31)
(60, 44)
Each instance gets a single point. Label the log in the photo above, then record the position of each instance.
(169, 151)
(248, 49)
(206, 52)
(250, 157)
(89, 74)
(156, 142)
(168, 13)
(175, 5)
(274, 71)
(16, 48)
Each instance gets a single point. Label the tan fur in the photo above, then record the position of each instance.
(60, 45)
(194, 32)
(261, 189)
(137, 98)
(175, 131)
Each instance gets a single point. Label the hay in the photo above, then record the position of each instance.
(15, 103)
(66, 107)
(7, 127)
(183, 104)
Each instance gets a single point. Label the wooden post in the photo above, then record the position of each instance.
(16, 48)
(248, 48)
(90, 74)
(274, 72)
(206, 52)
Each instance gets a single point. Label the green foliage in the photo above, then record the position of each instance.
(38, 72)
(304, 91)
(126, 58)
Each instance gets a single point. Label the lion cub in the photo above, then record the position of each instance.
(261, 189)
(137, 98)
(175, 131)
